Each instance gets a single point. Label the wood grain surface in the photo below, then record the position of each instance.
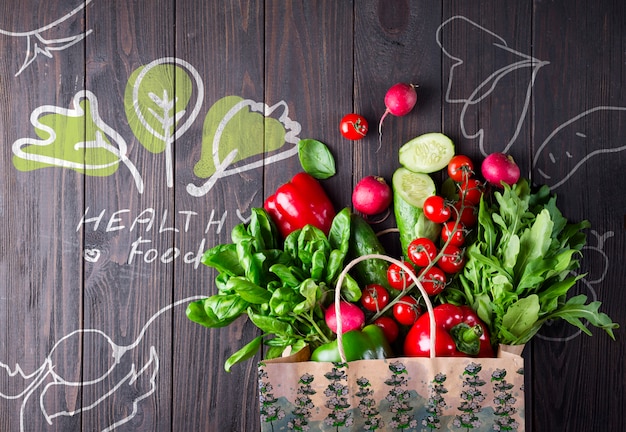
(100, 260)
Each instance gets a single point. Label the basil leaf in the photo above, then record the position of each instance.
(198, 313)
(248, 351)
(249, 291)
(225, 306)
(316, 159)
(223, 258)
(270, 325)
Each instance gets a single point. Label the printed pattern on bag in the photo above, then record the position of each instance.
(404, 394)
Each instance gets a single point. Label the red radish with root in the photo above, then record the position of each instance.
(399, 100)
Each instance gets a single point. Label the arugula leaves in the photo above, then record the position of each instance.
(281, 287)
(520, 268)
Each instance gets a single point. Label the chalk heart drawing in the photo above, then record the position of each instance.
(506, 61)
(92, 255)
(116, 380)
(162, 101)
(37, 43)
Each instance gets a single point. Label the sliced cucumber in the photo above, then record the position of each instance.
(427, 153)
(413, 187)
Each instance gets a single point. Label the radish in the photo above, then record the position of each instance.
(372, 195)
(498, 168)
(352, 317)
(399, 100)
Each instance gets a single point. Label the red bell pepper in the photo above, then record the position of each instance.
(300, 202)
(459, 333)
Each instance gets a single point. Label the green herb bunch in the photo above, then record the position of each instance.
(521, 265)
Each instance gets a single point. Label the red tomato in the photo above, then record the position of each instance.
(389, 327)
(455, 232)
(468, 214)
(374, 297)
(436, 209)
(396, 276)
(422, 251)
(353, 126)
(460, 168)
(470, 191)
(452, 260)
(433, 280)
(406, 310)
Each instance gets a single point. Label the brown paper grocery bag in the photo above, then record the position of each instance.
(479, 394)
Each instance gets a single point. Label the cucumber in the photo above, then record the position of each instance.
(427, 153)
(413, 187)
(406, 220)
(364, 241)
(409, 192)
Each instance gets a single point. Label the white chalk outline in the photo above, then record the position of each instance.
(168, 121)
(292, 128)
(543, 145)
(490, 83)
(77, 111)
(47, 370)
(33, 49)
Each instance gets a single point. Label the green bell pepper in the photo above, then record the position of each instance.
(365, 344)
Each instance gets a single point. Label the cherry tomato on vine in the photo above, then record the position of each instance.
(468, 213)
(406, 310)
(460, 168)
(374, 297)
(389, 327)
(452, 260)
(353, 126)
(454, 232)
(433, 280)
(396, 276)
(470, 191)
(422, 251)
(436, 209)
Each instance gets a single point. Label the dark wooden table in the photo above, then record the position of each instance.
(105, 208)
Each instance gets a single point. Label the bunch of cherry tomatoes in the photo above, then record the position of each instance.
(435, 261)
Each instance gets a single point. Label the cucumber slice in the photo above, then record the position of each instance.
(413, 187)
(427, 153)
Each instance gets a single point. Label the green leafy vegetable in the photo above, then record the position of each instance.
(316, 158)
(520, 268)
(282, 287)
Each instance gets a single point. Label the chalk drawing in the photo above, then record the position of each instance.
(158, 114)
(241, 118)
(76, 138)
(565, 150)
(49, 377)
(162, 101)
(37, 44)
(490, 84)
(575, 142)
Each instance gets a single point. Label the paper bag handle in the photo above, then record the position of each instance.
(409, 271)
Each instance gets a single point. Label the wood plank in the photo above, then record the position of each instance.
(393, 44)
(129, 220)
(41, 294)
(576, 376)
(224, 42)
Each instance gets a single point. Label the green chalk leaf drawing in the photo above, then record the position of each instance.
(157, 99)
(76, 138)
(236, 130)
